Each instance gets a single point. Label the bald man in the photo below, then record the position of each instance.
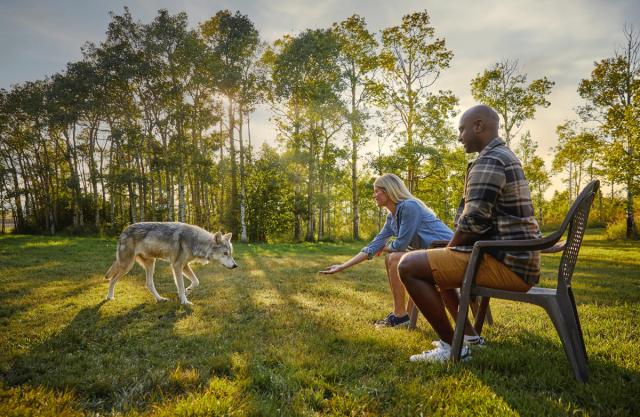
(496, 205)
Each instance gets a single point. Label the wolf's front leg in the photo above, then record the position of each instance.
(177, 276)
(149, 266)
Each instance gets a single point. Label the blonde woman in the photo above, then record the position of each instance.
(413, 224)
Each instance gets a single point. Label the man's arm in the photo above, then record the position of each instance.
(461, 238)
(485, 181)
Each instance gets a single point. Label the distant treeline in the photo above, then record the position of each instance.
(154, 124)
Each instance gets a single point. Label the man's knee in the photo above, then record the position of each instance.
(407, 265)
(414, 265)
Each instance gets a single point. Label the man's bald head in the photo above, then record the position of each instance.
(478, 126)
(488, 116)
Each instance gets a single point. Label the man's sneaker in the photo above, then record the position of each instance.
(393, 321)
(473, 341)
(440, 354)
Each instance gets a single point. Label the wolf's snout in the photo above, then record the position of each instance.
(234, 266)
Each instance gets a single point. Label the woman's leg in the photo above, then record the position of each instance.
(397, 288)
(415, 273)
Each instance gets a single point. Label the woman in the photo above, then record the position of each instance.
(413, 224)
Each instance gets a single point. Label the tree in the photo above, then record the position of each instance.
(269, 196)
(412, 60)
(306, 82)
(233, 38)
(505, 89)
(613, 95)
(534, 170)
(358, 62)
(64, 99)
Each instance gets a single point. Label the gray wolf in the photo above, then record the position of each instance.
(178, 243)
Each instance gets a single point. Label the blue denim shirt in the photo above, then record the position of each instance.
(414, 226)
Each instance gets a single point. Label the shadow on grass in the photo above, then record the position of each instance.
(605, 282)
(539, 377)
(101, 358)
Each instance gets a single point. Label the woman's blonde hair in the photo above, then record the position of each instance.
(395, 189)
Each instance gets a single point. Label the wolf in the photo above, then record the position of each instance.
(178, 243)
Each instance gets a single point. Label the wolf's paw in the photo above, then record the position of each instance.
(186, 302)
(109, 298)
(161, 299)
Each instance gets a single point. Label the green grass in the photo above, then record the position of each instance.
(276, 338)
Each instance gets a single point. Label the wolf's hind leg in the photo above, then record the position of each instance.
(188, 272)
(149, 265)
(122, 269)
(113, 269)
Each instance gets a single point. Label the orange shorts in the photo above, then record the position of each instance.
(448, 267)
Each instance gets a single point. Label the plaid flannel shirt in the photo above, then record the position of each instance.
(497, 204)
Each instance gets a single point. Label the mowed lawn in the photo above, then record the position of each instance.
(274, 337)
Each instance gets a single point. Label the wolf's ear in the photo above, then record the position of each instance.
(227, 236)
(217, 238)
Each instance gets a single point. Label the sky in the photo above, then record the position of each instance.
(559, 39)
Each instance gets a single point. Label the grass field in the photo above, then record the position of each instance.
(273, 337)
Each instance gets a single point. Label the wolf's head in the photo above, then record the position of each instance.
(222, 250)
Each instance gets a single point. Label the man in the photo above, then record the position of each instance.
(496, 205)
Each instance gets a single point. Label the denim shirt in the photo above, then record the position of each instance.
(414, 226)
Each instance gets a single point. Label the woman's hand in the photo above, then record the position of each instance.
(332, 269)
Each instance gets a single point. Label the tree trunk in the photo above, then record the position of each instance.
(50, 191)
(169, 192)
(310, 236)
(132, 202)
(570, 183)
(233, 220)
(19, 215)
(221, 205)
(298, 203)
(93, 172)
(355, 210)
(410, 117)
(631, 229)
(329, 212)
(76, 174)
(181, 194)
(243, 224)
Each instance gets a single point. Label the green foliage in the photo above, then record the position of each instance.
(505, 89)
(612, 93)
(411, 61)
(269, 198)
(233, 38)
(274, 338)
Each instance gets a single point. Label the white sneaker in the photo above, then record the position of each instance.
(474, 341)
(441, 353)
(468, 341)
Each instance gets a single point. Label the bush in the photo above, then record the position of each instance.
(618, 229)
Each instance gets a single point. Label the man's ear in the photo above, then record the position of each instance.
(227, 236)
(478, 126)
(217, 238)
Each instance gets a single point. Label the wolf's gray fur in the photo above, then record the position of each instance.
(178, 243)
